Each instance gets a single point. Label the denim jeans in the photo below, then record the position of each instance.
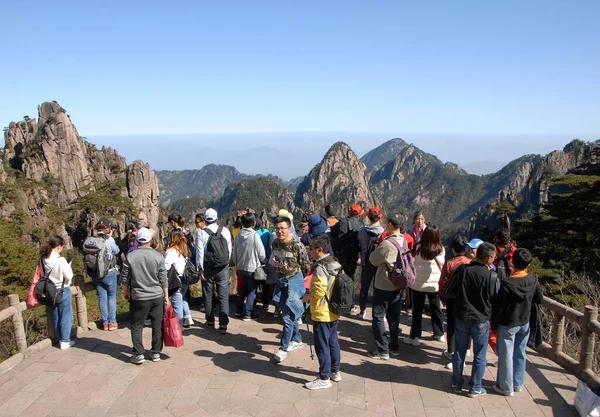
(177, 302)
(62, 316)
(327, 347)
(290, 332)
(437, 318)
(480, 333)
(107, 294)
(248, 290)
(139, 310)
(511, 345)
(386, 304)
(221, 280)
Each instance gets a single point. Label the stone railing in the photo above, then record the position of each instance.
(590, 328)
(15, 312)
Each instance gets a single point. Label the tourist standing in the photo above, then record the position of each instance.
(145, 286)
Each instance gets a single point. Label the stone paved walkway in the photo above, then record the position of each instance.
(232, 375)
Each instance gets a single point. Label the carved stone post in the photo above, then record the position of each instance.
(588, 339)
(81, 303)
(18, 326)
(558, 334)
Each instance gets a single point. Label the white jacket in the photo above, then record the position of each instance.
(59, 270)
(428, 273)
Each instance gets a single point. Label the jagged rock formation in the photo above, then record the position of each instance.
(384, 153)
(454, 199)
(263, 195)
(207, 182)
(339, 179)
(60, 180)
(525, 183)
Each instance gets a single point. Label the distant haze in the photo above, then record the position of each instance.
(291, 154)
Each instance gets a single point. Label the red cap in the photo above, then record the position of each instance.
(356, 210)
(374, 212)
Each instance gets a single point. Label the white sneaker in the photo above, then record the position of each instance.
(448, 366)
(299, 322)
(447, 355)
(441, 338)
(414, 342)
(280, 355)
(294, 346)
(335, 377)
(468, 353)
(355, 310)
(318, 384)
(363, 316)
(66, 345)
(188, 321)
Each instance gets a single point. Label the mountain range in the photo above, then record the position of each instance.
(63, 184)
(400, 177)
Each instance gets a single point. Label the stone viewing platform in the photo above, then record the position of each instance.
(233, 375)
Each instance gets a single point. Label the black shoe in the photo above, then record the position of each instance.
(223, 329)
(210, 324)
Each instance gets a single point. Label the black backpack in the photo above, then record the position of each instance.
(504, 268)
(342, 294)
(216, 255)
(371, 246)
(45, 290)
(347, 244)
(191, 274)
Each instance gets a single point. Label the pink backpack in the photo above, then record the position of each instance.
(404, 273)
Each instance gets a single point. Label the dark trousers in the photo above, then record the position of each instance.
(248, 289)
(327, 347)
(221, 281)
(139, 310)
(437, 319)
(367, 274)
(386, 304)
(267, 293)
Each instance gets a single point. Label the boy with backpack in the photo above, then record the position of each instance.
(325, 322)
(368, 239)
(505, 249)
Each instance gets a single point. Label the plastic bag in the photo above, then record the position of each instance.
(172, 334)
(586, 402)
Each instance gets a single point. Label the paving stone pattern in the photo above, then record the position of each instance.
(233, 375)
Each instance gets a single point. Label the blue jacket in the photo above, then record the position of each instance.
(293, 296)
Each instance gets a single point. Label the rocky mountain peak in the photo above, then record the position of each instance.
(339, 179)
(56, 173)
(383, 154)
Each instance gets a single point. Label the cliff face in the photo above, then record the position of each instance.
(415, 180)
(339, 179)
(55, 170)
(525, 184)
(383, 154)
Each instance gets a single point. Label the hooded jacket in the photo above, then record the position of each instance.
(513, 304)
(249, 251)
(364, 236)
(326, 270)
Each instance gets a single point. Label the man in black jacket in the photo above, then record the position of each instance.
(512, 311)
(475, 287)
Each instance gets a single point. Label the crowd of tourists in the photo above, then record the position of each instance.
(485, 288)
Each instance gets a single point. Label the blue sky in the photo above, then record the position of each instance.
(383, 68)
